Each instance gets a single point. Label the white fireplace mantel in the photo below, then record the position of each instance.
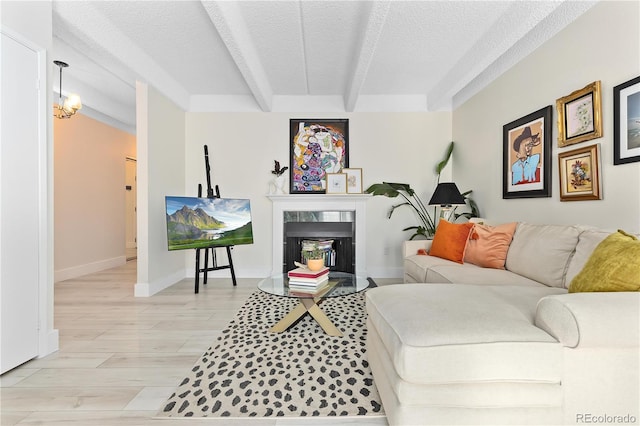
(320, 202)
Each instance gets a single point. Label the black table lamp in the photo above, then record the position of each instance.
(446, 195)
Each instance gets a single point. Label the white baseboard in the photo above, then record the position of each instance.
(240, 273)
(149, 289)
(89, 268)
(385, 272)
(49, 343)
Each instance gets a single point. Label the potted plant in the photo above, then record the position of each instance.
(279, 179)
(315, 259)
(428, 221)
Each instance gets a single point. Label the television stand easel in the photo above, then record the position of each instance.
(214, 267)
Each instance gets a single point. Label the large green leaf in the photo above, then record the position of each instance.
(447, 156)
(389, 189)
(382, 189)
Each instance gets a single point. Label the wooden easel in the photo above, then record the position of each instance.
(215, 266)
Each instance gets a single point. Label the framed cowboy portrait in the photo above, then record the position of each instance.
(526, 154)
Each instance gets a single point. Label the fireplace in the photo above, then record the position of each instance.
(335, 230)
(342, 218)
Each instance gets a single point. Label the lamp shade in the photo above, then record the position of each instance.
(446, 194)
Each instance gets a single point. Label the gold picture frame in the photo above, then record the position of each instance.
(580, 174)
(354, 180)
(580, 115)
(336, 183)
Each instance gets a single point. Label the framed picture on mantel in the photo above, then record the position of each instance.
(317, 147)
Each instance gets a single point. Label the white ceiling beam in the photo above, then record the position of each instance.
(497, 45)
(566, 13)
(88, 24)
(375, 24)
(227, 18)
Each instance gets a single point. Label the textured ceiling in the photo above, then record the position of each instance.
(302, 55)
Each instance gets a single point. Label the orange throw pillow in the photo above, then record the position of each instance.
(450, 240)
(488, 245)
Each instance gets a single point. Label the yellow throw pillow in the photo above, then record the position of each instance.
(488, 245)
(614, 265)
(450, 240)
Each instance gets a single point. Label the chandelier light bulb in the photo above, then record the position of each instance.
(71, 104)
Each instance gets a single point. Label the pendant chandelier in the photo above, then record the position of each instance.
(72, 104)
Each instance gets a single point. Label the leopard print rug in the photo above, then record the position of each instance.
(251, 372)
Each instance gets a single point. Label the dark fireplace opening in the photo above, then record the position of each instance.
(321, 226)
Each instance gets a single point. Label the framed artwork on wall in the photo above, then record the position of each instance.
(354, 180)
(580, 174)
(317, 147)
(580, 115)
(626, 122)
(336, 183)
(526, 156)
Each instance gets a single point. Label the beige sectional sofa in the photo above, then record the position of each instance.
(461, 344)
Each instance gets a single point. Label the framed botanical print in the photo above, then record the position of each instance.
(580, 174)
(354, 180)
(580, 115)
(526, 156)
(317, 147)
(626, 122)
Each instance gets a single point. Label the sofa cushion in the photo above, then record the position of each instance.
(431, 269)
(417, 266)
(472, 274)
(588, 240)
(542, 252)
(613, 266)
(450, 240)
(464, 333)
(488, 245)
(592, 320)
(494, 394)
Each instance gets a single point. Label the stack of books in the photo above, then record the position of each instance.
(303, 280)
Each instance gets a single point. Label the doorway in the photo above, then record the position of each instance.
(131, 220)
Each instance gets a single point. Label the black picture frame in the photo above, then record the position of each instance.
(531, 177)
(626, 128)
(316, 147)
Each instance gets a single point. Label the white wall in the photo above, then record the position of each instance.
(603, 44)
(161, 171)
(396, 147)
(31, 23)
(89, 195)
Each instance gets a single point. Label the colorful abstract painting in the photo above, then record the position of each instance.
(318, 147)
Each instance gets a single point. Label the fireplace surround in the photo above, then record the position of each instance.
(353, 207)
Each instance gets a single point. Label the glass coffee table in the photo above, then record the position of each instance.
(340, 284)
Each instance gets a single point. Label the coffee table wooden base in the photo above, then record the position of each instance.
(311, 306)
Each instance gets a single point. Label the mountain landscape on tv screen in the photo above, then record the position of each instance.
(191, 226)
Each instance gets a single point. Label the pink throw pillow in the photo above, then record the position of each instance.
(488, 245)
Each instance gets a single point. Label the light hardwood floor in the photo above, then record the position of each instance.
(121, 357)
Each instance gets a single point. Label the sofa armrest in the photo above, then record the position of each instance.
(411, 247)
(609, 319)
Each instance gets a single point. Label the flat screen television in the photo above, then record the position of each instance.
(207, 222)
